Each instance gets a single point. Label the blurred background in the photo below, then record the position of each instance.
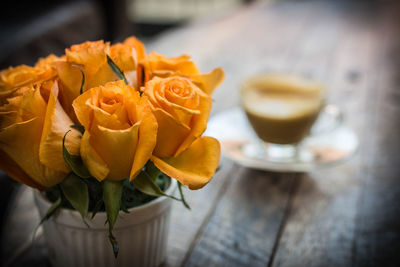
(30, 30)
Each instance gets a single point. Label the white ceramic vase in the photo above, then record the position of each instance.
(141, 235)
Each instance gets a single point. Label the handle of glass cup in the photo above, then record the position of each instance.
(330, 118)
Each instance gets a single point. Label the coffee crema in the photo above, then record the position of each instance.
(281, 108)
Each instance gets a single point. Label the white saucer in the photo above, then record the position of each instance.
(240, 144)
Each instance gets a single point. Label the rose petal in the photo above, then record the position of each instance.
(90, 54)
(14, 171)
(56, 124)
(198, 123)
(181, 113)
(71, 80)
(208, 82)
(88, 111)
(20, 142)
(116, 148)
(131, 77)
(33, 106)
(8, 118)
(82, 108)
(171, 134)
(128, 54)
(146, 143)
(181, 64)
(20, 76)
(103, 75)
(138, 46)
(47, 62)
(111, 121)
(123, 57)
(4, 94)
(195, 166)
(93, 162)
(156, 93)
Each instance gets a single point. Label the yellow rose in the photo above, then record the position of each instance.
(127, 54)
(182, 112)
(120, 131)
(91, 58)
(19, 76)
(13, 78)
(22, 75)
(32, 126)
(156, 65)
(47, 63)
(90, 55)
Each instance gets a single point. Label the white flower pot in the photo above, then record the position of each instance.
(141, 235)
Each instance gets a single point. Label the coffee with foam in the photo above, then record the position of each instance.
(281, 108)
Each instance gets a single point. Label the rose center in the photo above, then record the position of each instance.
(180, 89)
(109, 101)
(111, 104)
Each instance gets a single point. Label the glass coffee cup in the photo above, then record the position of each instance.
(281, 109)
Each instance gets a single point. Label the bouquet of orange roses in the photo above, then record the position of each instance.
(101, 127)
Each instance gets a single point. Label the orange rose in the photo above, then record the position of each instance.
(182, 112)
(156, 65)
(32, 126)
(48, 62)
(13, 78)
(91, 58)
(126, 55)
(120, 131)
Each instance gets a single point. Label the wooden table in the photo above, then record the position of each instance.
(342, 216)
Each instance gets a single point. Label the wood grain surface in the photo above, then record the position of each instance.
(324, 218)
(342, 216)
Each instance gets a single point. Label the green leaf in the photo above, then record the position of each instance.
(53, 208)
(74, 162)
(113, 242)
(182, 196)
(80, 128)
(145, 184)
(152, 170)
(116, 70)
(97, 207)
(124, 207)
(83, 78)
(112, 193)
(76, 192)
(162, 181)
(95, 195)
